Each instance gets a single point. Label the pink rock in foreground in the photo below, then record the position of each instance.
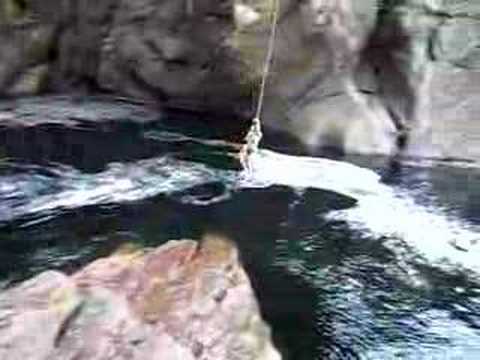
(181, 301)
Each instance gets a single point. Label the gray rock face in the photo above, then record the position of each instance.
(379, 76)
(156, 50)
(170, 51)
(181, 301)
(368, 76)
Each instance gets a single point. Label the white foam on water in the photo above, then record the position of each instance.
(118, 183)
(271, 168)
(435, 235)
(381, 210)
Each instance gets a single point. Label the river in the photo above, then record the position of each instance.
(351, 258)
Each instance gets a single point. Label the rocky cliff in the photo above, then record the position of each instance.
(371, 76)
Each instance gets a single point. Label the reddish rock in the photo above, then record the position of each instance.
(183, 300)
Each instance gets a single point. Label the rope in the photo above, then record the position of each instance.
(190, 7)
(254, 135)
(268, 59)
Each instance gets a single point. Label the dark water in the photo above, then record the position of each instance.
(344, 268)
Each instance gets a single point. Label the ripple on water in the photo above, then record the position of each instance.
(392, 278)
(119, 182)
(381, 210)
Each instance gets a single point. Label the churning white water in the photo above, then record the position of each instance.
(380, 209)
(67, 188)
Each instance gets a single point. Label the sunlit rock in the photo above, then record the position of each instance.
(245, 15)
(183, 300)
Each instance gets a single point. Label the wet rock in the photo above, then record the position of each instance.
(24, 50)
(31, 81)
(362, 76)
(73, 111)
(179, 301)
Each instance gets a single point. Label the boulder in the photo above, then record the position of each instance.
(183, 300)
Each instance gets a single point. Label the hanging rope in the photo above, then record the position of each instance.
(254, 135)
(268, 59)
(190, 7)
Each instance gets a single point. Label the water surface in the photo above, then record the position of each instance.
(348, 262)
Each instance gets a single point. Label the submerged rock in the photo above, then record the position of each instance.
(183, 300)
